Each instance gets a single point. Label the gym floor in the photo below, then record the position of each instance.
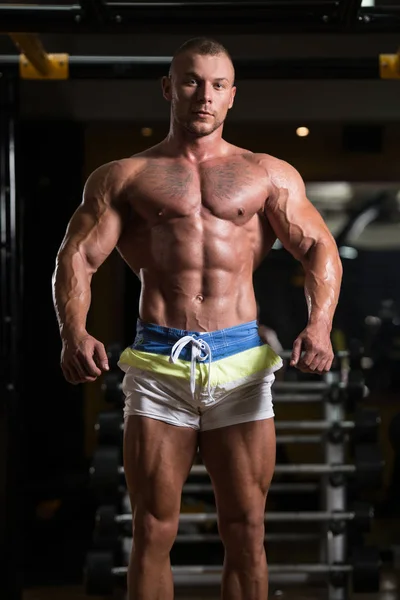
(390, 586)
(76, 593)
(390, 583)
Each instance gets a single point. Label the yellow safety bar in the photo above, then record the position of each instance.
(389, 65)
(35, 63)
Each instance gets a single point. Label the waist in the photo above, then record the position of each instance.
(183, 299)
(158, 339)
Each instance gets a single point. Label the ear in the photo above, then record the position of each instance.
(233, 94)
(166, 87)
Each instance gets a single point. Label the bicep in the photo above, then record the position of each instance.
(96, 226)
(295, 220)
(93, 231)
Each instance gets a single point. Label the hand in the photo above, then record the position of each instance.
(312, 350)
(83, 359)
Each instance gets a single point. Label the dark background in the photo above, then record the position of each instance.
(66, 129)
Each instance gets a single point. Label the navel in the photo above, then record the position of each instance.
(241, 212)
(199, 298)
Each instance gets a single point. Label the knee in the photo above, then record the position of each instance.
(243, 537)
(151, 533)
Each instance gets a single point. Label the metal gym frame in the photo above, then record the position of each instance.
(176, 17)
(33, 62)
(10, 343)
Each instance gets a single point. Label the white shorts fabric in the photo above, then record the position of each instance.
(170, 400)
(202, 380)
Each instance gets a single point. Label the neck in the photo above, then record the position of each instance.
(195, 148)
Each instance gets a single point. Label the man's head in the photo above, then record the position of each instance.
(200, 85)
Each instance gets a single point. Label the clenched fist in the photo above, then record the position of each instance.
(312, 350)
(83, 359)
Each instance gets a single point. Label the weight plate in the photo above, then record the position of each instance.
(98, 574)
(366, 564)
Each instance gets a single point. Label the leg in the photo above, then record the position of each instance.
(157, 461)
(241, 460)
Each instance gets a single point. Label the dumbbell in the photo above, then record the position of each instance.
(109, 524)
(364, 428)
(108, 487)
(123, 543)
(106, 472)
(349, 393)
(366, 425)
(109, 427)
(111, 386)
(114, 351)
(102, 577)
(111, 382)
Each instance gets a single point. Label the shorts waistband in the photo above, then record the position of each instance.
(223, 342)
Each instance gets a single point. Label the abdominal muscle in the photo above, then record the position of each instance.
(162, 303)
(196, 278)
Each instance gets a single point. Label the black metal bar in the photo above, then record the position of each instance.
(11, 284)
(154, 67)
(378, 19)
(349, 11)
(32, 18)
(210, 14)
(96, 11)
(278, 9)
(275, 488)
(202, 17)
(286, 16)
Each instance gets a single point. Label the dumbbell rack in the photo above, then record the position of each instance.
(334, 491)
(333, 515)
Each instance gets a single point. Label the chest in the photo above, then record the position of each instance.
(230, 190)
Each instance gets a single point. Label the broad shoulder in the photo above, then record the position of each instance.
(112, 177)
(281, 173)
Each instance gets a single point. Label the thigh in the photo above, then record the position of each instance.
(240, 460)
(157, 461)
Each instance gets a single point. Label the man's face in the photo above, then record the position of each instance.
(201, 91)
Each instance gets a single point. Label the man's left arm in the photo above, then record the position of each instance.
(303, 232)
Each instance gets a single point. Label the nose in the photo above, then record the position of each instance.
(204, 92)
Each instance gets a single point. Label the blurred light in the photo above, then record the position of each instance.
(367, 363)
(367, 3)
(302, 131)
(373, 321)
(146, 131)
(331, 190)
(348, 252)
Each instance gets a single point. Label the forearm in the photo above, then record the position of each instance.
(71, 293)
(323, 277)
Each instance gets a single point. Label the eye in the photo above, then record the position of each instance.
(191, 82)
(218, 86)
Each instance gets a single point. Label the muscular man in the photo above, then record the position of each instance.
(193, 216)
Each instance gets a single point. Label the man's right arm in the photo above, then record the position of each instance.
(92, 234)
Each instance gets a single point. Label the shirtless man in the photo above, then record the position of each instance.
(193, 217)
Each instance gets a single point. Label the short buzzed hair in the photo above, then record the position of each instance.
(200, 45)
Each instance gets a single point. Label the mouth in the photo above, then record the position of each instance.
(203, 113)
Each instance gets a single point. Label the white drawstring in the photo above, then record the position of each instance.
(197, 347)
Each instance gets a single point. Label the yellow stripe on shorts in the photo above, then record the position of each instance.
(223, 371)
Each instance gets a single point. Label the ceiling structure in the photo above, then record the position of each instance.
(313, 49)
(231, 16)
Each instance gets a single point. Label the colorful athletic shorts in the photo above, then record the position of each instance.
(202, 380)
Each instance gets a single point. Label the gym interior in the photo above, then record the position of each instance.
(318, 86)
